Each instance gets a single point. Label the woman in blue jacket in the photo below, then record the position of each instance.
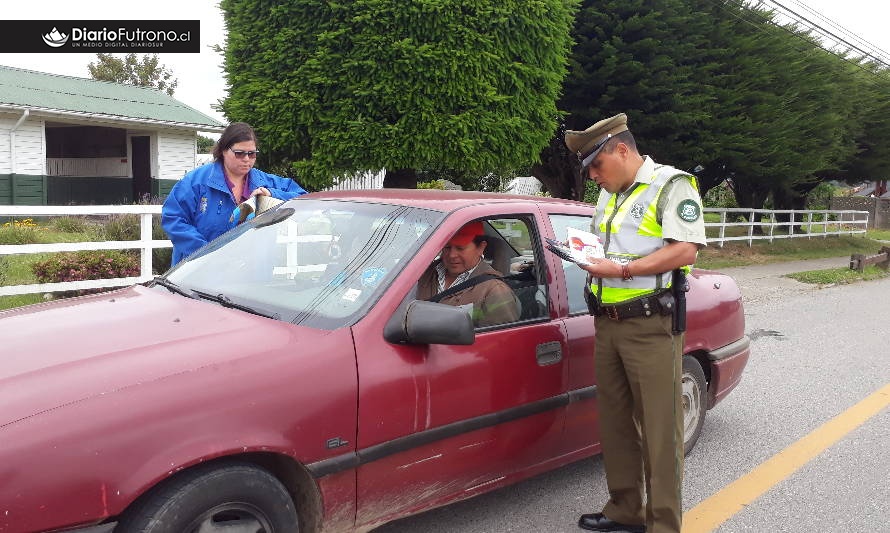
(199, 207)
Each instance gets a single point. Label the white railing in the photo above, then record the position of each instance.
(145, 244)
(87, 166)
(817, 223)
(801, 223)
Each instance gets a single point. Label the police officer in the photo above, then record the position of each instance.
(649, 219)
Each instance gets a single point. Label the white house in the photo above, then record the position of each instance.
(67, 140)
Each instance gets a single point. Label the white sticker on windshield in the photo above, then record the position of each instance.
(352, 294)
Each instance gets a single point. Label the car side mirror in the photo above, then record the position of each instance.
(422, 322)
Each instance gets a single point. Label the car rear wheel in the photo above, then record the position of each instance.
(693, 389)
(233, 498)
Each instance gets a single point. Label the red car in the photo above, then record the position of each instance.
(284, 378)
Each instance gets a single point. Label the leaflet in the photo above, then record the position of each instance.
(254, 205)
(580, 248)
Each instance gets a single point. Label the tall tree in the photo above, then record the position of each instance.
(417, 85)
(204, 144)
(714, 85)
(778, 109)
(870, 161)
(130, 70)
(633, 57)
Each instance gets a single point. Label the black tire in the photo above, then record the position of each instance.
(693, 391)
(234, 497)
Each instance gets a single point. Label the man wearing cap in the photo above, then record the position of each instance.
(649, 219)
(490, 301)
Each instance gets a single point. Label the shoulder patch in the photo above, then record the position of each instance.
(688, 210)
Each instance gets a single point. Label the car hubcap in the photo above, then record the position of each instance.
(691, 406)
(231, 518)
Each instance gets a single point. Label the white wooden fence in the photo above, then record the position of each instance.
(145, 244)
(809, 224)
(800, 223)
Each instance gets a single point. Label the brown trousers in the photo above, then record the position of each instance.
(638, 366)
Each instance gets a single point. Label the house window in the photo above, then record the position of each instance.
(85, 142)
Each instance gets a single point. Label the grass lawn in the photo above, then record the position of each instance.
(763, 252)
(839, 276)
(16, 269)
(734, 254)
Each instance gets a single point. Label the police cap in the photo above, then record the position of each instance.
(588, 143)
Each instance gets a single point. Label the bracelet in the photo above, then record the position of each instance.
(625, 272)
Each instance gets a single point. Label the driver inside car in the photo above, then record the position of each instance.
(461, 277)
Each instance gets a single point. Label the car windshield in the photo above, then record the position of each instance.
(319, 263)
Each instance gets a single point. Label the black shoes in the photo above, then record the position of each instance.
(599, 522)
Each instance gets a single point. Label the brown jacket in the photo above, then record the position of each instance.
(493, 301)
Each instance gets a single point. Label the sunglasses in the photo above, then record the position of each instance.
(241, 154)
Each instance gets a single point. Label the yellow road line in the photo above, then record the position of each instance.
(712, 512)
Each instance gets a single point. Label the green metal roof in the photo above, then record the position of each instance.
(77, 96)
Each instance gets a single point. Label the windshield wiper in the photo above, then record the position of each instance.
(172, 287)
(225, 301)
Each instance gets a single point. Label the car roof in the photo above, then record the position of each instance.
(436, 199)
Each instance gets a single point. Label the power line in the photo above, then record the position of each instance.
(840, 28)
(757, 10)
(797, 17)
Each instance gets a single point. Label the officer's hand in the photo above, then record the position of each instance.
(602, 268)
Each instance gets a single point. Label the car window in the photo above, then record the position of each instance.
(575, 277)
(512, 250)
(524, 266)
(320, 263)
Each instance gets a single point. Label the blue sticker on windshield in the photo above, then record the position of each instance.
(372, 276)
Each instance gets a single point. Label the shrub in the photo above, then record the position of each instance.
(70, 224)
(84, 265)
(24, 223)
(820, 196)
(20, 232)
(126, 228)
(720, 196)
(591, 192)
(434, 184)
(121, 228)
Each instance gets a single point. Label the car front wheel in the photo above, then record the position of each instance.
(693, 400)
(233, 498)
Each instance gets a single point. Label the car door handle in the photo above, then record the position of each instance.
(548, 353)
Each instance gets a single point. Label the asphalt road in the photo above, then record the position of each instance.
(816, 353)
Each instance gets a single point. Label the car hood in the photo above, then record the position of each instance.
(63, 352)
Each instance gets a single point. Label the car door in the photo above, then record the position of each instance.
(582, 419)
(440, 422)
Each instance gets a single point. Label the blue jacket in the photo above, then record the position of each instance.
(199, 207)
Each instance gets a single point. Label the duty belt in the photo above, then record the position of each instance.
(643, 306)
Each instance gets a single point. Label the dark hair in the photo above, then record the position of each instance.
(236, 132)
(625, 137)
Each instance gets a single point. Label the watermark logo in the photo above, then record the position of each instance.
(78, 36)
(55, 38)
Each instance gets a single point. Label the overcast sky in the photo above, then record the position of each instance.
(201, 82)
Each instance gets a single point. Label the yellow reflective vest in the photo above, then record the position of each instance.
(630, 227)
